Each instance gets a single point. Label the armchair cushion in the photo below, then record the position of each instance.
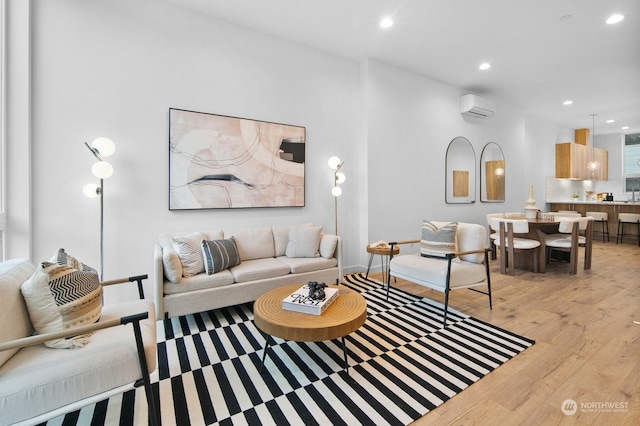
(14, 316)
(60, 297)
(438, 241)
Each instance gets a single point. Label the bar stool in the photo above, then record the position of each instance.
(601, 218)
(627, 218)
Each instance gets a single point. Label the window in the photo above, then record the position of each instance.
(632, 162)
(3, 215)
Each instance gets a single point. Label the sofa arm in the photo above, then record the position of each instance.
(158, 281)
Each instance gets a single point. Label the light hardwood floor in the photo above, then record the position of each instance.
(587, 346)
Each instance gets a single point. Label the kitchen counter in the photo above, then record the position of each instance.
(610, 203)
(610, 207)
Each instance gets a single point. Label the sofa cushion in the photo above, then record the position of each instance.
(219, 255)
(328, 244)
(300, 265)
(37, 379)
(14, 316)
(188, 249)
(258, 269)
(59, 297)
(304, 241)
(438, 241)
(253, 243)
(199, 282)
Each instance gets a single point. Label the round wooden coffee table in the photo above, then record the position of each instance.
(345, 315)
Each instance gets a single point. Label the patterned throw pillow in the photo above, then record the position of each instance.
(59, 297)
(63, 258)
(219, 255)
(437, 242)
(188, 249)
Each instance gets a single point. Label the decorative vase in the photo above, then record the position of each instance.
(530, 208)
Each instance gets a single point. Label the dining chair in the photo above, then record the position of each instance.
(572, 234)
(492, 234)
(508, 245)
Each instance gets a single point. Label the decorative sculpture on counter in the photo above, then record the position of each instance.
(316, 290)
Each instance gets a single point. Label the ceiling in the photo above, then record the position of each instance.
(542, 52)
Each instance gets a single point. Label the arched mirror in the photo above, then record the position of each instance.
(492, 174)
(460, 181)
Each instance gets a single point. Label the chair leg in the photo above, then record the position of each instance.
(618, 235)
(446, 307)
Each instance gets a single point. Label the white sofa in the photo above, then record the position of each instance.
(38, 382)
(270, 257)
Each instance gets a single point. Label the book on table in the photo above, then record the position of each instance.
(300, 301)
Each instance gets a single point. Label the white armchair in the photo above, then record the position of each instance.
(466, 267)
(38, 383)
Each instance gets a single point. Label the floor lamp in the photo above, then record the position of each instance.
(100, 147)
(338, 177)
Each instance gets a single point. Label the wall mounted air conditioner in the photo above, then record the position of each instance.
(475, 106)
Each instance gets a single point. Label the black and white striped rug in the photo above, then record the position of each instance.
(402, 365)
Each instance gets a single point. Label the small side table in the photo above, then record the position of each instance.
(383, 252)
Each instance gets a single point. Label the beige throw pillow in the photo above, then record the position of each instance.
(304, 241)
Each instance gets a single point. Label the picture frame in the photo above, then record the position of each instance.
(224, 162)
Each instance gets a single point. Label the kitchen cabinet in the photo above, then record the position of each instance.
(572, 159)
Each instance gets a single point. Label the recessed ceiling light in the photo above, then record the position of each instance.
(624, 127)
(485, 66)
(611, 121)
(614, 19)
(386, 22)
(567, 102)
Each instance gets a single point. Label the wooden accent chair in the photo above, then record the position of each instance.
(38, 382)
(466, 267)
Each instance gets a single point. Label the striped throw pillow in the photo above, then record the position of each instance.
(437, 242)
(187, 247)
(219, 255)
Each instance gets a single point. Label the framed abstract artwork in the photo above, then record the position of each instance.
(222, 162)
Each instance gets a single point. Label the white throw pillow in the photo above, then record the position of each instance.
(328, 244)
(189, 251)
(59, 297)
(171, 264)
(304, 241)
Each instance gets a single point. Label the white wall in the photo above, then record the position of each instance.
(411, 120)
(115, 67)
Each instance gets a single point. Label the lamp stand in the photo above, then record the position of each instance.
(101, 189)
